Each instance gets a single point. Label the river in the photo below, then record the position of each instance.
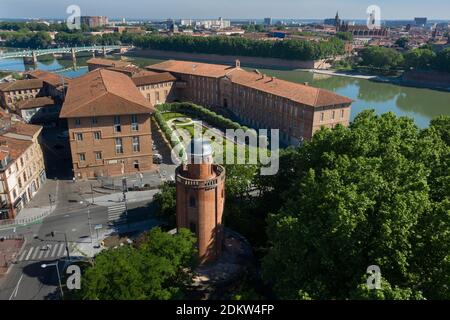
(420, 104)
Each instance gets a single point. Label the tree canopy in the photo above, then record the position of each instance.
(381, 58)
(155, 269)
(420, 58)
(376, 193)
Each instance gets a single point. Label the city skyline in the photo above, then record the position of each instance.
(232, 9)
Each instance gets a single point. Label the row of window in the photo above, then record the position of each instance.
(154, 86)
(157, 96)
(333, 115)
(99, 157)
(136, 144)
(23, 91)
(97, 135)
(117, 122)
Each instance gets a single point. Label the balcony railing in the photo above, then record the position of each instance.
(202, 184)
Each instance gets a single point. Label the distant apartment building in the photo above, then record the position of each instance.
(39, 110)
(22, 168)
(421, 21)
(267, 21)
(207, 24)
(54, 85)
(12, 93)
(258, 100)
(156, 87)
(125, 67)
(94, 21)
(109, 125)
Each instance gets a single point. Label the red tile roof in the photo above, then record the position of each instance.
(53, 79)
(21, 85)
(296, 92)
(15, 147)
(25, 129)
(40, 102)
(110, 63)
(103, 93)
(143, 79)
(194, 68)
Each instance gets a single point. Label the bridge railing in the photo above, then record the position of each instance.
(29, 53)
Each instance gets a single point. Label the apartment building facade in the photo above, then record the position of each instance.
(258, 100)
(22, 167)
(12, 93)
(157, 88)
(109, 125)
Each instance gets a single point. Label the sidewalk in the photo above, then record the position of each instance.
(132, 196)
(39, 207)
(152, 179)
(86, 250)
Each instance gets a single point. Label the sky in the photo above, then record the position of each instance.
(250, 9)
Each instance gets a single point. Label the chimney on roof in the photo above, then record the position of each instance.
(238, 63)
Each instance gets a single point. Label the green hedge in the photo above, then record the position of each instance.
(212, 118)
(167, 131)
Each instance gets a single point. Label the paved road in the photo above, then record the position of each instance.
(27, 279)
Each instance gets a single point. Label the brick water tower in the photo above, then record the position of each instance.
(200, 199)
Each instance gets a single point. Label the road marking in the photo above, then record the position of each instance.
(60, 251)
(49, 246)
(22, 255)
(35, 253)
(41, 252)
(29, 253)
(54, 249)
(16, 289)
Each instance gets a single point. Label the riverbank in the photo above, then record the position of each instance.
(270, 63)
(346, 74)
(399, 81)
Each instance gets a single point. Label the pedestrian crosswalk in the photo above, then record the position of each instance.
(51, 251)
(117, 214)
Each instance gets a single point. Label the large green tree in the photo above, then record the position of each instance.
(376, 193)
(420, 58)
(381, 58)
(158, 268)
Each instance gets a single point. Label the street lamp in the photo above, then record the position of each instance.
(89, 221)
(43, 266)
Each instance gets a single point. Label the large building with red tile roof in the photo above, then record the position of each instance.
(12, 93)
(260, 101)
(22, 168)
(54, 85)
(109, 125)
(39, 110)
(156, 87)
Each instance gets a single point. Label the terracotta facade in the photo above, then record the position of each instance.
(200, 203)
(258, 100)
(96, 150)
